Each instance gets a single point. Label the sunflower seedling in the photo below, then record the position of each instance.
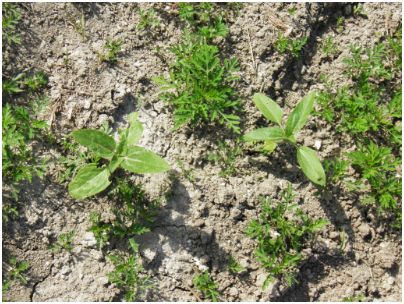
(92, 179)
(306, 157)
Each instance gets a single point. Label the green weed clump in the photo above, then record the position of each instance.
(200, 85)
(64, 242)
(306, 157)
(234, 266)
(370, 111)
(127, 274)
(148, 19)
(20, 129)
(92, 179)
(225, 155)
(11, 16)
(282, 231)
(16, 271)
(134, 213)
(112, 49)
(206, 286)
(288, 45)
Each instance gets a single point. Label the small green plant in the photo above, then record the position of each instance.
(19, 130)
(292, 10)
(377, 167)
(64, 242)
(355, 298)
(294, 46)
(358, 10)
(17, 270)
(100, 230)
(205, 19)
(206, 286)
(127, 274)
(329, 47)
(112, 51)
(187, 173)
(225, 155)
(134, 213)
(147, 19)
(200, 86)
(281, 233)
(340, 24)
(92, 179)
(335, 169)
(79, 25)
(11, 16)
(37, 81)
(13, 85)
(234, 266)
(306, 157)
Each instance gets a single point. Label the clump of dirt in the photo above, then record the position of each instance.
(202, 222)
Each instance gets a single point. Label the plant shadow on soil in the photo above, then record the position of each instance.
(177, 235)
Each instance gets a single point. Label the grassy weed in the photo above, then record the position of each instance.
(288, 45)
(281, 232)
(206, 286)
(127, 274)
(64, 242)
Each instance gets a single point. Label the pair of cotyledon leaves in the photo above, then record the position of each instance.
(92, 179)
(306, 157)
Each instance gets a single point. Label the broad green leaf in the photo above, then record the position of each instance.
(273, 134)
(268, 108)
(114, 163)
(298, 118)
(135, 129)
(269, 146)
(89, 181)
(311, 165)
(139, 160)
(96, 141)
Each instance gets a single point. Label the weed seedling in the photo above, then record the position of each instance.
(340, 24)
(64, 242)
(19, 130)
(147, 19)
(37, 81)
(226, 155)
(294, 46)
(187, 173)
(100, 230)
(206, 286)
(329, 47)
(306, 157)
(112, 48)
(11, 17)
(92, 179)
(281, 233)
(234, 266)
(355, 298)
(200, 86)
(335, 169)
(127, 274)
(17, 270)
(14, 85)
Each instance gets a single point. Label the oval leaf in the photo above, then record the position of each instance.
(274, 134)
(89, 181)
(311, 165)
(139, 160)
(268, 108)
(135, 130)
(96, 141)
(298, 118)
